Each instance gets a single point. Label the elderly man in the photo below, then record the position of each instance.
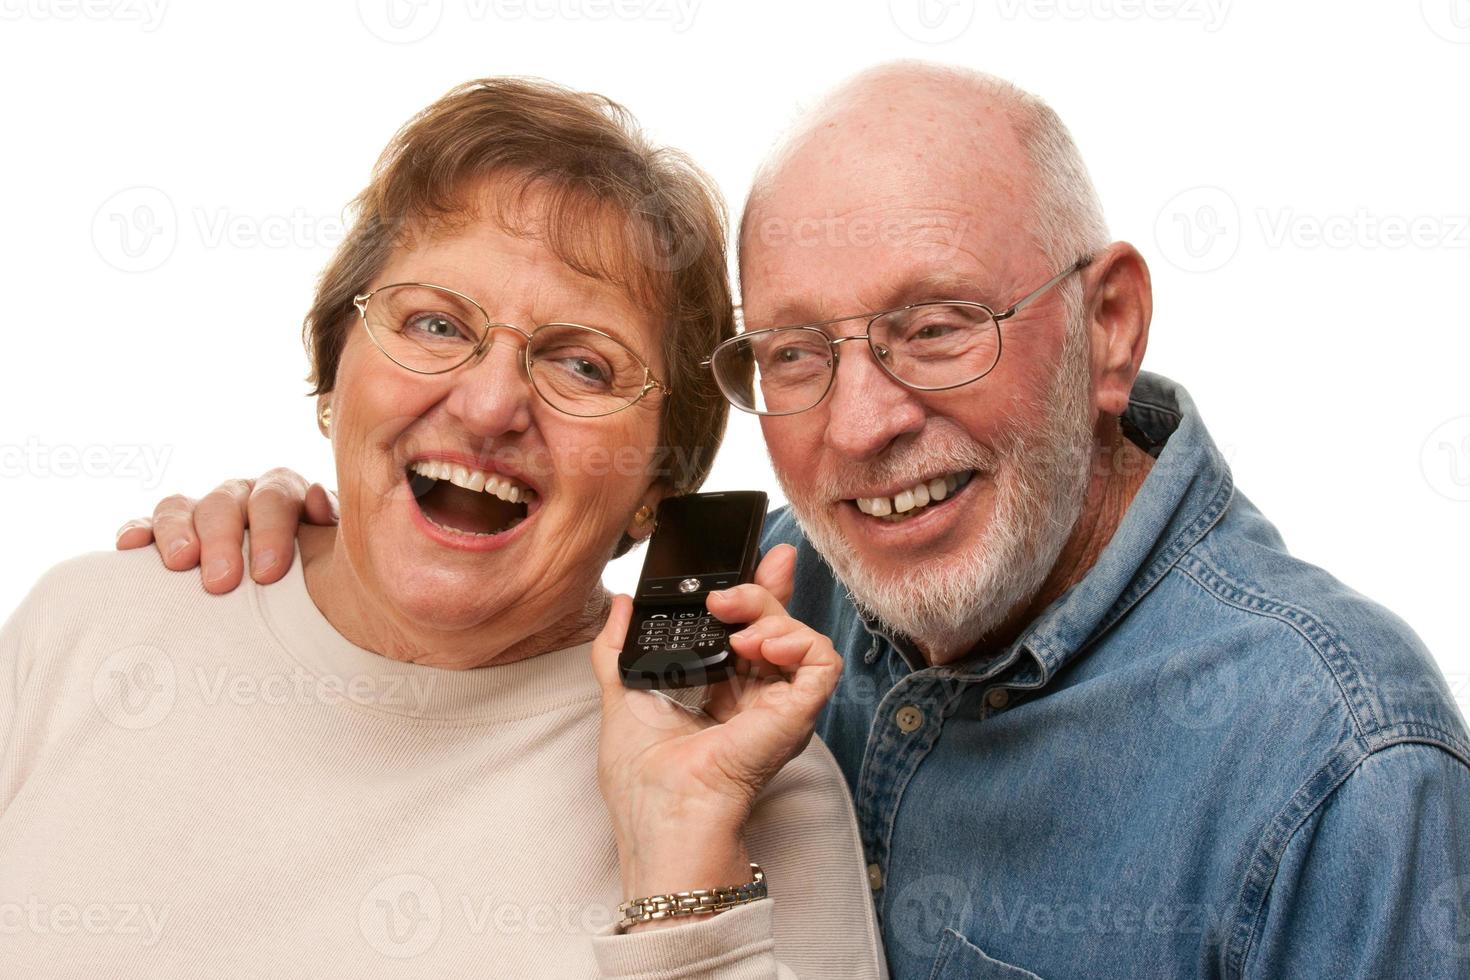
(1097, 722)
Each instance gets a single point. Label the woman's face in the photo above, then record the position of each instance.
(448, 558)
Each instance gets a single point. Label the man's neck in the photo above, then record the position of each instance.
(1119, 469)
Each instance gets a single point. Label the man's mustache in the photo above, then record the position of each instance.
(906, 465)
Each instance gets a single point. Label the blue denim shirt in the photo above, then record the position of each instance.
(1206, 759)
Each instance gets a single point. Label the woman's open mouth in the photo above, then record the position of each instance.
(459, 500)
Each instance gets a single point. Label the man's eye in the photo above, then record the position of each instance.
(933, 330)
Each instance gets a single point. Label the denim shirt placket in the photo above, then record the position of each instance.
(893, 755)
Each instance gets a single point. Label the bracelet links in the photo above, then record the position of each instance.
(697, 901)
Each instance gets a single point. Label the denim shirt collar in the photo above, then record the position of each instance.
(1185, 493)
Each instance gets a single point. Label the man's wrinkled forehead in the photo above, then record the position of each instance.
(875, 194)
(839, 248)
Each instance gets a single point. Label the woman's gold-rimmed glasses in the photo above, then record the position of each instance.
(575, 369)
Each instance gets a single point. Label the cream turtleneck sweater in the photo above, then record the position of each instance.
(202, 786)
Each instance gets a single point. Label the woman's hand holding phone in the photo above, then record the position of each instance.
(680, 784)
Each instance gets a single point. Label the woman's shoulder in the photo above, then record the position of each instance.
(813, 779)
(103, 578)
(108, 592)
(804, 835)
(807, 804)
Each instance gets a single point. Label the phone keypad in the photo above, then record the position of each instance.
(681, 632)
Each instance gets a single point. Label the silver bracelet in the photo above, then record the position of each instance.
(698, 901)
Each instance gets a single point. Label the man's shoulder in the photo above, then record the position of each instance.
(781, 527)
(1321, 639)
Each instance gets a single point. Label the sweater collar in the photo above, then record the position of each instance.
(340, 671)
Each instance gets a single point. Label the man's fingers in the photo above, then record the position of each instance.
(173, 532)
(137, 533)
(219, 520)
(321, 506)
(777, 572)
(273, 513)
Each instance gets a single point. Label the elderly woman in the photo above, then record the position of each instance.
(389, 764)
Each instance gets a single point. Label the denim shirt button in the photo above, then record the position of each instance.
(875, 877)
(908, 718)
(998, 698)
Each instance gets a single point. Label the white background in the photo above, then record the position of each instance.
(173, 174)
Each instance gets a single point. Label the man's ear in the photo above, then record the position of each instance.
(1118, 309)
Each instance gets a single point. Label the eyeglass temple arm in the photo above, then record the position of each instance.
(1079, 265)
(740, 328)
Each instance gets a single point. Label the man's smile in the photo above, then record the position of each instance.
(910, 501)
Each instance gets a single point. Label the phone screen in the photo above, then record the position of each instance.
(715, 545)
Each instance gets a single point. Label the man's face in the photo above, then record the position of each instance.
(852, 223)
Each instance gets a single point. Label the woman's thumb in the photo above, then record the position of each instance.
(608, 645)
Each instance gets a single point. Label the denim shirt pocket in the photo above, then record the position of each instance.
(960, 959)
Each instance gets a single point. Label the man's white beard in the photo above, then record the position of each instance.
(1040, 482)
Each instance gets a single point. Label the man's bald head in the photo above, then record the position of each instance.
(912, 127)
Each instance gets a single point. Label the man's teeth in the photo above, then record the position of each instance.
(916, 497)
(461, 476)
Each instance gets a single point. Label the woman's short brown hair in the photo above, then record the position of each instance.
(613, 206)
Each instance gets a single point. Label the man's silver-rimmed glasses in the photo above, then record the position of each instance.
(577, 370)
(931, 346)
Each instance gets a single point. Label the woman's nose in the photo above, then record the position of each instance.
(492, 394)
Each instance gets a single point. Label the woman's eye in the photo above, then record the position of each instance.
(433, 326)
(587, 369)
(584, 370)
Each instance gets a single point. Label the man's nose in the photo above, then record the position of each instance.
(492, 395)
(866, 408)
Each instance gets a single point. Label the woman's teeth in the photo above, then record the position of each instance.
(474, 534)
(461, 476)
(915, 498)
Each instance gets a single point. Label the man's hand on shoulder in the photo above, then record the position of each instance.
(208, 533)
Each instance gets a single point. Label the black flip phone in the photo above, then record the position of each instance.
(702, 542)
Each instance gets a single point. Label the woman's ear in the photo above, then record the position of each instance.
(641, 526)
(324, 414)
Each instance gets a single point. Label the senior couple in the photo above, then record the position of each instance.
(1080, 714)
